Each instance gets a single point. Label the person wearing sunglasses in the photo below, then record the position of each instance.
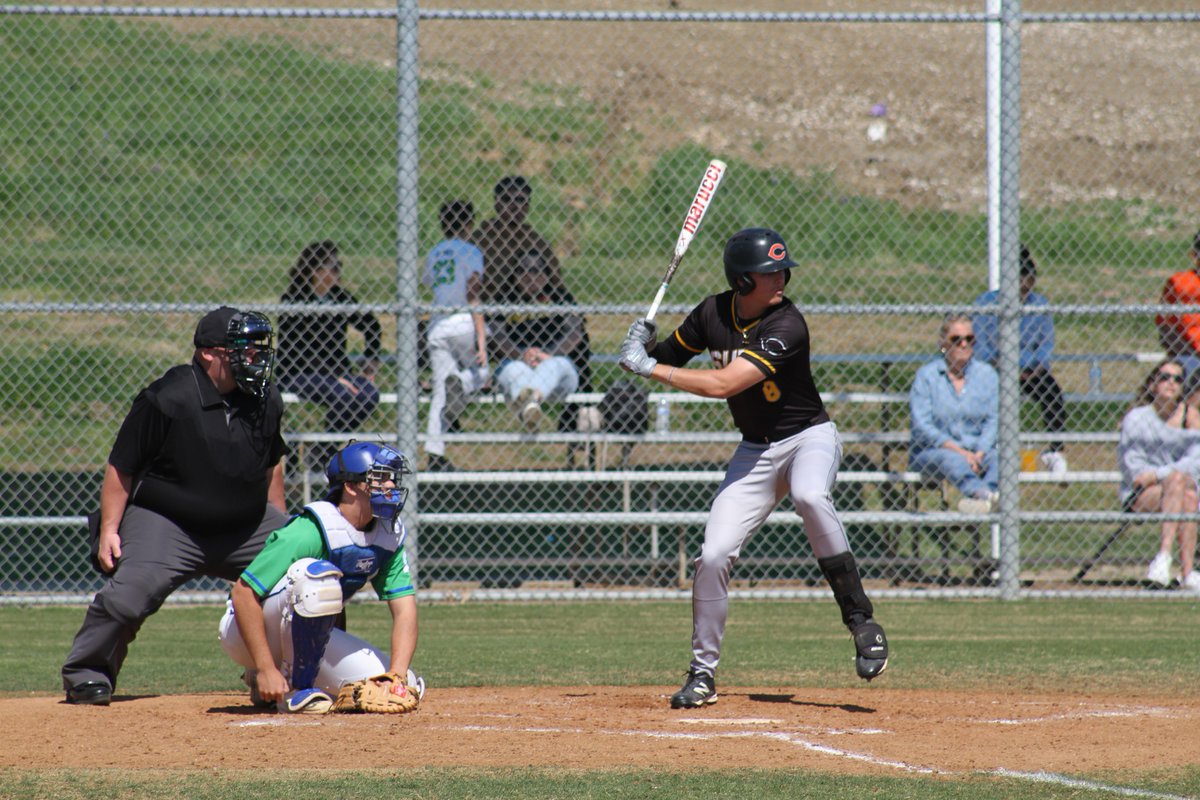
(955, 413)
(1159, 458)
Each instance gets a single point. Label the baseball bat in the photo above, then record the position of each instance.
(691, 223)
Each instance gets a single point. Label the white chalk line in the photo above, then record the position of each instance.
(706, 736)
(836, 752)
(1078, 783)
(1118, 712)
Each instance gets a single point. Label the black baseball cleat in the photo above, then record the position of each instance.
(871, 649)
(700, 689)
(90, 693)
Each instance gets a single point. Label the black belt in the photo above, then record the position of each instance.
(779, 436)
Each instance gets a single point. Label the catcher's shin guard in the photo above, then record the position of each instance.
(310, 636)
(870, 642)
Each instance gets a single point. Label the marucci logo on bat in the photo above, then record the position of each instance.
(708, 185)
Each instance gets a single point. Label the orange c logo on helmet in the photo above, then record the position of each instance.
(777, 252)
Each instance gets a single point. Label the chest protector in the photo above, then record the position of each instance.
(358, 554)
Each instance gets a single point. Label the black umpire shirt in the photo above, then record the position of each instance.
(786, 401)
(198, 457)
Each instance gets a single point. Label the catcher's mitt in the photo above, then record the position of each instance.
(379, 694)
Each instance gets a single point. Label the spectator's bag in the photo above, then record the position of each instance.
(625, 407)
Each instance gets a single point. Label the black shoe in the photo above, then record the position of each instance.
(698, 690)
(870, 649)
(90, 693)
(436, 463)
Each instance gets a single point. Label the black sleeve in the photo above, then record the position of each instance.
(141, 436)
(684, 343)
(368, 325)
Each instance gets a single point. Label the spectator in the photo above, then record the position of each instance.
(540, 353)
(1159, 458)
(954, 405)
(457, 342)
(313, 361)
(194, 485)
(1036, 350)
(1180, 334)
(282, 609)
(506, 237)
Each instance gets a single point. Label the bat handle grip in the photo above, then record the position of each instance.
(658, 298)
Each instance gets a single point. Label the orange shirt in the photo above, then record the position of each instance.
(1181, 333)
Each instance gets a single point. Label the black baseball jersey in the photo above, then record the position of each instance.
(783, 404)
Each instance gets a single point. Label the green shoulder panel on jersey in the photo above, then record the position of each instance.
(300, 538)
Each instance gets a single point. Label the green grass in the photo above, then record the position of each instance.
(1109, 646)
(1045, 647)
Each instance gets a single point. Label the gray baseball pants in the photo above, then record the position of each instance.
(759, 476)
(157, 557)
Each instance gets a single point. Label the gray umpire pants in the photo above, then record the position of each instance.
(759, 476)
(157, 557)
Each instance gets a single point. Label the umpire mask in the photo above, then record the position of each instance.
(250, 341)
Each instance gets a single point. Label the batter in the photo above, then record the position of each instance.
(759, 344)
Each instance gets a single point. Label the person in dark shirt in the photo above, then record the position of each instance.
(194, 485)
(312, 345)
(542, 354)
(759, 344)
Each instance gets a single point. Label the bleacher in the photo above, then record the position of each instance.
(652, 509)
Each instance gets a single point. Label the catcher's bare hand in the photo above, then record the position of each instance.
(272, 686)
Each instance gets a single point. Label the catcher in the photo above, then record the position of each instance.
(282, 609)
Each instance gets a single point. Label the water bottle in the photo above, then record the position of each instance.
(662, 417)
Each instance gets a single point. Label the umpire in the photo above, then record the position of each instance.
(193, 486)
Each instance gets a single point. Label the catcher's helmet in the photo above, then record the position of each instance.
(377, 464)
(250, 341)
(755, 250)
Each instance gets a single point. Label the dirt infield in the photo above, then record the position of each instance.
(862, 730)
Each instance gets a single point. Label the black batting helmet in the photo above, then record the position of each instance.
(751, 251)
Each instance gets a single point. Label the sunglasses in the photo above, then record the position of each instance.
(1170, 376)
(955, 341)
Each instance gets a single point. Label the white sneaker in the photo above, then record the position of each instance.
(306, 701)
(1191, 583)
(1160, 570)
(1055, 463)
(416, 683)
(975, 505)
(529, 408)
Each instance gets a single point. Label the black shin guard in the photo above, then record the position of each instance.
(842, 574)
(870, 643)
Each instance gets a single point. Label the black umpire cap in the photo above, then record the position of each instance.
(213, 328)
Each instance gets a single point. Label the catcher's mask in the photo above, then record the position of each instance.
(250, 341)
(378, 465)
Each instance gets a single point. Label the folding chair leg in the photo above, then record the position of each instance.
(1112, 537)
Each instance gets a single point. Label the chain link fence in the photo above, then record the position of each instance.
(307, 162)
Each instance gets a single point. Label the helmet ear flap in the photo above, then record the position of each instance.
(787, 276)
(745, 283)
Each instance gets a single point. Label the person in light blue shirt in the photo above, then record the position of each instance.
(954, 403)
(1036, 349)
